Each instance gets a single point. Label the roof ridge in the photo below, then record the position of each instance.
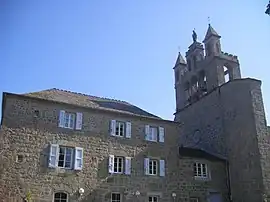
(93, 96)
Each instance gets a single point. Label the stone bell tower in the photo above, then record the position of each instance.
(223, 114)
(207, 67)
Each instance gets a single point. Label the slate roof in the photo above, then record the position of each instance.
(89, 101)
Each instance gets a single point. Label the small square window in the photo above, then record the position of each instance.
(153, 167)
(116, 197)
(19, 158)
(200, 170)
(118, 164)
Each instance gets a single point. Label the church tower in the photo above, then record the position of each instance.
(223, 114)
(204, 70)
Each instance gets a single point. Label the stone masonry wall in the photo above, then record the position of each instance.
(28, 136)
(232, 122)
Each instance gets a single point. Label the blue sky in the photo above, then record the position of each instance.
(123, 49)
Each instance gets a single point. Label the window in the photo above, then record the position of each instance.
(193, 200)
(69, 121)
(200, 170)
(65, 157)
(119, 129)
(116, 197)
(118, 164)
(153, 167)
(60, 197)
(226, 74)
(153, 134)
(152, 199)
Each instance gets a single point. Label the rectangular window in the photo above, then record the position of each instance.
(152, 199)
(153, 134)
(69, 120)
(200, 170)
(120, 129)
(116, 197)
(65, 158)
(153, 167)
(118, 164)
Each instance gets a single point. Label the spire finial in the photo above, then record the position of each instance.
(209, 21)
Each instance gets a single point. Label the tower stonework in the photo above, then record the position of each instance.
(223, 114)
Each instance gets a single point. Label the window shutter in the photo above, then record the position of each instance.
(146, 166)
(53, 158)
(79, 119)
(113, 127)
(128, 166)
(161, 168)
(61, 121)
(161, 134)
(128, 130)
(147, 132)
(111, 164)
(78, 164)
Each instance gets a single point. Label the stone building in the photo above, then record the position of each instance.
(61, 146)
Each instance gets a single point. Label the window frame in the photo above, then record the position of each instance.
(151, 135)
(117, 125)
(116, 200)
(60, 192)
(151, 167)
(152, 198)
(64, 162)
(116, 166)
(69, 120)
(198, 170)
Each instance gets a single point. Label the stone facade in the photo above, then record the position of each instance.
(216, 149)
(30, 125)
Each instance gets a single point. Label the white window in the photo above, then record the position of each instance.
(152, 199)
(116, 197)
(154, 134)
(70, 120)
(193, 200)
(120, 129)
(118, 164)
(63, 157)
(153, 167)
(200, 170)
(60, 197)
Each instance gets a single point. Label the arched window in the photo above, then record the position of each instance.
(60, 197)
(226, 74)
